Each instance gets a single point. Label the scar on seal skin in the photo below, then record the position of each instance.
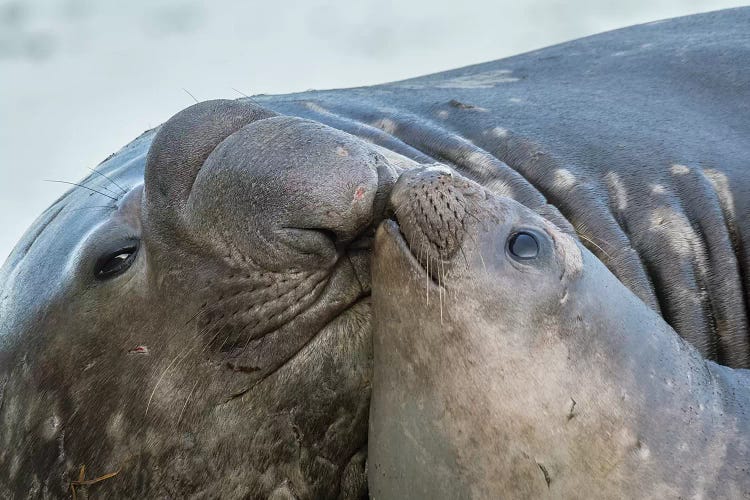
(535, 373)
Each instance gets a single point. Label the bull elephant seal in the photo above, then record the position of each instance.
(195, 315)
(201, 328)
(532, 372)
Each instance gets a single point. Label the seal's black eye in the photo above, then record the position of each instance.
(115, 263)
(523, 245)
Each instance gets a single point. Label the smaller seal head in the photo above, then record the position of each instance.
(452, 230)
(510, 363)
(464, 284)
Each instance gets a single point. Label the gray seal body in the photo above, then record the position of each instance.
(228, 351)
(638, 137)
(531, 371)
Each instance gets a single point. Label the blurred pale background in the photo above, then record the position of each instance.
(81, 78)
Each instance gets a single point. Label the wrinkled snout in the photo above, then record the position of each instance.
(430, 205)
(277, 190)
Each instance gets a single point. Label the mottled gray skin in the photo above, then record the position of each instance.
(233, 358)
(537, 378)
(639, 137)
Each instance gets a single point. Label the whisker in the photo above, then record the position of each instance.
(240, 93)
(479, 250)
(597, 246)
(124, 191)
(466, 261)
(113, 193)
(161, 377)
(441, 288)
(225, 340)
(592, 238)
(179, 419)
(410, 248)
(191, 95)
(427, 278)
(421, 253)
(398, 209)
(468, 212)
(200, 310)
(95, 207)
(82, 186)
(245, 95)
(249, 337)
(208, 344)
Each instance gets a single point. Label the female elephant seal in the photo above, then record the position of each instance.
(531, 371)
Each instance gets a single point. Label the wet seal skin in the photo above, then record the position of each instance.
(510, 363)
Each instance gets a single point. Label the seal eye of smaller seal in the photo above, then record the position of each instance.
(115, 263)
(523, 245)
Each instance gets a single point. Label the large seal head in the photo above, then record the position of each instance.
(195, 319)
(510, 363)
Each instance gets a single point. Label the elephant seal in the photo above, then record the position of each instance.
(202, 300)
(637, 137)
(533, 372)
(200, 327)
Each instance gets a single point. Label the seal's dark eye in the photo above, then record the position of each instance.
(115, 263)
(523, 245)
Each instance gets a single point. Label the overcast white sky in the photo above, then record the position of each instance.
(81, 78)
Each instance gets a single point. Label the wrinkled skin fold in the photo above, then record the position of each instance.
(226, 333)
(230, 354)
